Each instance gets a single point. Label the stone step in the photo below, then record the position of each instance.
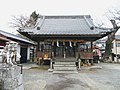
(65, 62)
(70, 72)
(62, 65)
(65, 68)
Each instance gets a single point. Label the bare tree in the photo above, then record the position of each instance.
(24, 21)
(18, 21)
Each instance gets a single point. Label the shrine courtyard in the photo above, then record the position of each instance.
(38, 78)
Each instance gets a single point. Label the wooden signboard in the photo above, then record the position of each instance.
(86, 55)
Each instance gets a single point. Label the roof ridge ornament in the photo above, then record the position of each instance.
(89, 24)
(43, 19)
(114, 24)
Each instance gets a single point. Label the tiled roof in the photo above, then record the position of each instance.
(4, 38)
(65, 25)
(15, 37)
(117, 37)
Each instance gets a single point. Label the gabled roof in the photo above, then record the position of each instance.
(75, 27)
(14, 37)
(3, 38)
(65, 25)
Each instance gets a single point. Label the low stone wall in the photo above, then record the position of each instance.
(11, 77)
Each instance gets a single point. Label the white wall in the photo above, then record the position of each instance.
(28, 53)
(18, 50)
(116, 50)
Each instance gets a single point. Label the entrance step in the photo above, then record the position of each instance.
(64, 62)
(64, 67)
(71, 72)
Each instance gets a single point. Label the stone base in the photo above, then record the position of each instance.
(12, 77)
(50, 70)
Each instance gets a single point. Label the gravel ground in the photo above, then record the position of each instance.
(107, 78)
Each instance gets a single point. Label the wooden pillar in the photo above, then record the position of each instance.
(64, 52)
(38, 46)
(91, 46)
(52, 50)
(91, 51)
(75, 50)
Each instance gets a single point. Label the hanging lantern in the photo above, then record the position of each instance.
(57, 44)
(63, 43)
(74, 43)
(52, 43)
(70, 44)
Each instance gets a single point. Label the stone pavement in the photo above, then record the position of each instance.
(29, 65)
(105, 78)
(35, 85)
(33, 78)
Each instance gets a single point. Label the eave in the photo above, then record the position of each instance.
(41, 37)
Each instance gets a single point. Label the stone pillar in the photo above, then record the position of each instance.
(11, 77)
(10, 71)
(79, 64)
(51, 66)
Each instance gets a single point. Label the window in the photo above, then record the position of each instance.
(118, 44)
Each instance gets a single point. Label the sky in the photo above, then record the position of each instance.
(95, 8)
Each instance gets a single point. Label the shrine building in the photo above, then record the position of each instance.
(62, 37)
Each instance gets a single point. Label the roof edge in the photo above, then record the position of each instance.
(65, 16)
